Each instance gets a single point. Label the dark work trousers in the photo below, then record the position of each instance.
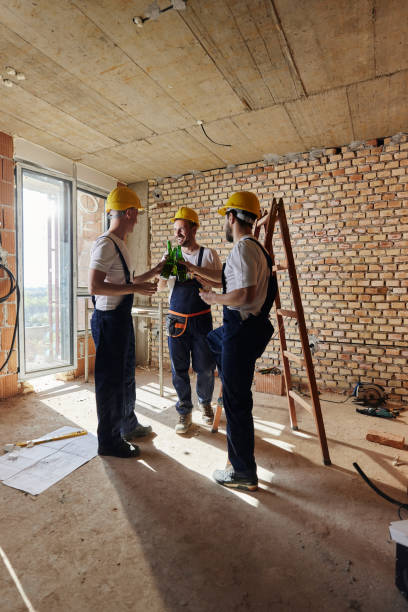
(236, 346)
(192, 345)
(115, 363)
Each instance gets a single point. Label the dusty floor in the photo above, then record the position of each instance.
(157, 534)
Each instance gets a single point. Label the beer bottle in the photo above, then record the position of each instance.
(181, 269)
(167, 269)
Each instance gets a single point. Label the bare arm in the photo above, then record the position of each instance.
(207, 283)
(98, 286)
(141, 278)
(209, 274)
(238, 297)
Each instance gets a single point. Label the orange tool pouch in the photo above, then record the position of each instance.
(176, 322)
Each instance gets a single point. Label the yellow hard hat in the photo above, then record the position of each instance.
(242, 200)
(122, 198)
(186, 213)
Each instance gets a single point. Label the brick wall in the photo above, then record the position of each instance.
(348, 217)
(8, 376)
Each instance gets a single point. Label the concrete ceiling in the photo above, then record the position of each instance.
(266, 76)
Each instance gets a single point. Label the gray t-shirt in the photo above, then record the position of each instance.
(246, 266)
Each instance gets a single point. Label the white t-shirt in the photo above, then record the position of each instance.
(246, 266)
(104, 257)
(210, 260)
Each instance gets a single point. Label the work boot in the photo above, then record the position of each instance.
(138, 432)
(184, 423)
(123, 450)
(232, 480)
(207, 414)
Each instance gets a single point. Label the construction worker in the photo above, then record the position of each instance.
(113, 284)
(249, 290)
(188, 323)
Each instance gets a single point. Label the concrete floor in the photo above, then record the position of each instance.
(157, 534)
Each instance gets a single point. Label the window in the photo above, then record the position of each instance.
(46, 328)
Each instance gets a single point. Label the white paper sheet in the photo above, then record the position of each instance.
(35, 469)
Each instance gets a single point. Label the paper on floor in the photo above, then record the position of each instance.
(35, 469)
(399, 532)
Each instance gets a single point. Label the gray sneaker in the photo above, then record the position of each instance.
(138, 432)
(207, 413)
(184, 423)
(232, 480)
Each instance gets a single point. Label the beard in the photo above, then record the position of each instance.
(228, 234)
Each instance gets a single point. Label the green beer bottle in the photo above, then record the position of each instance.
(181, 269)
(167, 269)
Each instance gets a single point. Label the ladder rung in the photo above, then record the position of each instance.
(293, 357)
(287, 313)
(279, 267)
(301, 400)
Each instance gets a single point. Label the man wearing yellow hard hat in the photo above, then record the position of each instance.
(249, 290)
(113, 284)
(188, 323)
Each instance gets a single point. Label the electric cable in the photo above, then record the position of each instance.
(400, 505)
(13, 288)
(213, 141)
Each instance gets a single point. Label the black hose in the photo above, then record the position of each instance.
(377, 490)
(13, 288)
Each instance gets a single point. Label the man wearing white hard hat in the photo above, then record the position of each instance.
(188, 323)
(249, 290)
(113, 284)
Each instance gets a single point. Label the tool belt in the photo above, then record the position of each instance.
(176, 322)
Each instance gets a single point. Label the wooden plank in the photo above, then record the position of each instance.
(385, 438)
(296, 358)
(279, 268)
(301, 400)
(287, 313)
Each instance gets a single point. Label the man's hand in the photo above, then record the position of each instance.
(145, 288)
(209, 297)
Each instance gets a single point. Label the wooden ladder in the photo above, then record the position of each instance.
(277, 214)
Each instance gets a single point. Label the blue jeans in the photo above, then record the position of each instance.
(192, 346)
(115, 363)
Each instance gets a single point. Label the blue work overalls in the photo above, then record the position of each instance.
(236, 346)
(115, 362)
(191, 344)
